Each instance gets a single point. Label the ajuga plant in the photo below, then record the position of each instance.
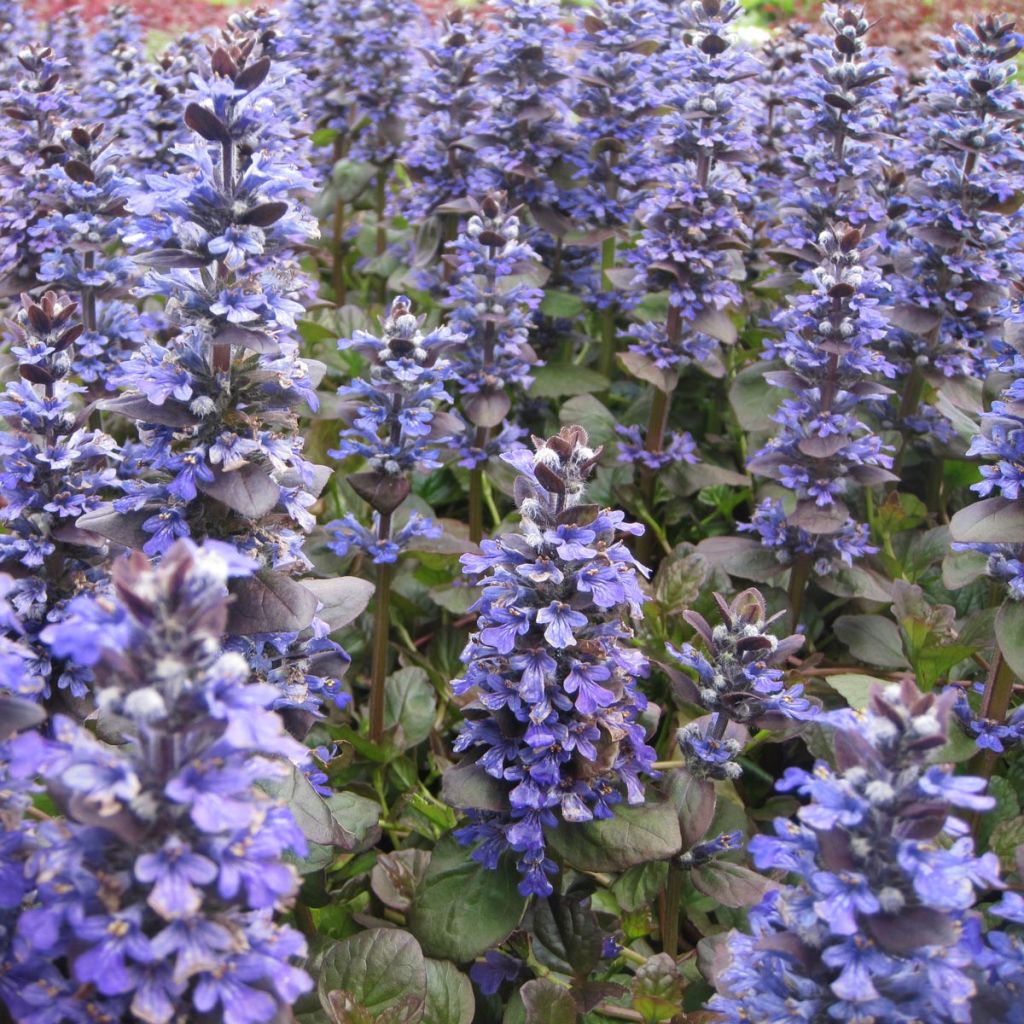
(963, 239)
(156, 898)
(492, 297)
(67, 36)
(781, 81)
(990, 533)
(34, 104)
(84, 225)
(53, 469)
(522, 134)
(220, 398)
(836, 149)
(443, 102)
(691, 226)
(738, 679)
(554, 704)
(612, 99)
(218, 404)
(824, 452)
(398, 429)
(873, 926)
(1000, 961)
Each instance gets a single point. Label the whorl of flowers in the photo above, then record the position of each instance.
(691, 224)
(67, 35)
(874, 926)
(397, 427)
(116, 91)
(444, 98)
(53, 469)
(835, 146)
(612, 99)
(387, 31)
(34, 106)
(154, 899)
(738, 677)
(492, 299)
(961, 242)
(219, 402)
(996, 735)
(1000, 963)
(523, 131)
(554, 702)
(84, 226)
(1001, 440)
(824, 451)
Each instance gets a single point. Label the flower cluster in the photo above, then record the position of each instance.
(219, 402)
(612, 99)
(990, 734)
(739, 677)
(155, 899)
(523, 128)
(960, 245)
(554, 703)
(836, 148)
(35, 103)
(824, 449)
(492, 299)
(445, 98)
(874, 927)
(396, 426)
(54, 470)
(676, 448)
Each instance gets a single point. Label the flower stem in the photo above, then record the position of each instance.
(381, 636)
(908, 407)
(338, 239)
(607, 361)
(670, 910)
(799, 574)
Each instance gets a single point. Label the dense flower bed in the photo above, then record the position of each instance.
(509, 513)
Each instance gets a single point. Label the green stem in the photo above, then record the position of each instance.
(381, 637)
(607, 361)
(799, 574)
(908, 406)
(670, 898)
(338, 239)
(994, 705)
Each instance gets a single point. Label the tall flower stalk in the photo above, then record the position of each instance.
(493, 300)
(874, 926)
(962, 241)
(53, 470)
(398, 429)
(824, 451)
(554, 714)
(157, 896)
(691, 224)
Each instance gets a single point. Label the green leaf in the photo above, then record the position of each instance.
(694, 800)
(634, 835)
(566, 935)
(377, 974)
(558, 379)
(732, 885)
(872, 638)
(854, 687)
(311, 811)
(323, 136)
(450, 997)
(461, 909)
(754, 401)
(1010, 635)
(410, 702)
(396, 875)
(585, 410)
(561, 305)
(641, 884)
(548, 1003)
(359, 817)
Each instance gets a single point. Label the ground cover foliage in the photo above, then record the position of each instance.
(510, 514)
